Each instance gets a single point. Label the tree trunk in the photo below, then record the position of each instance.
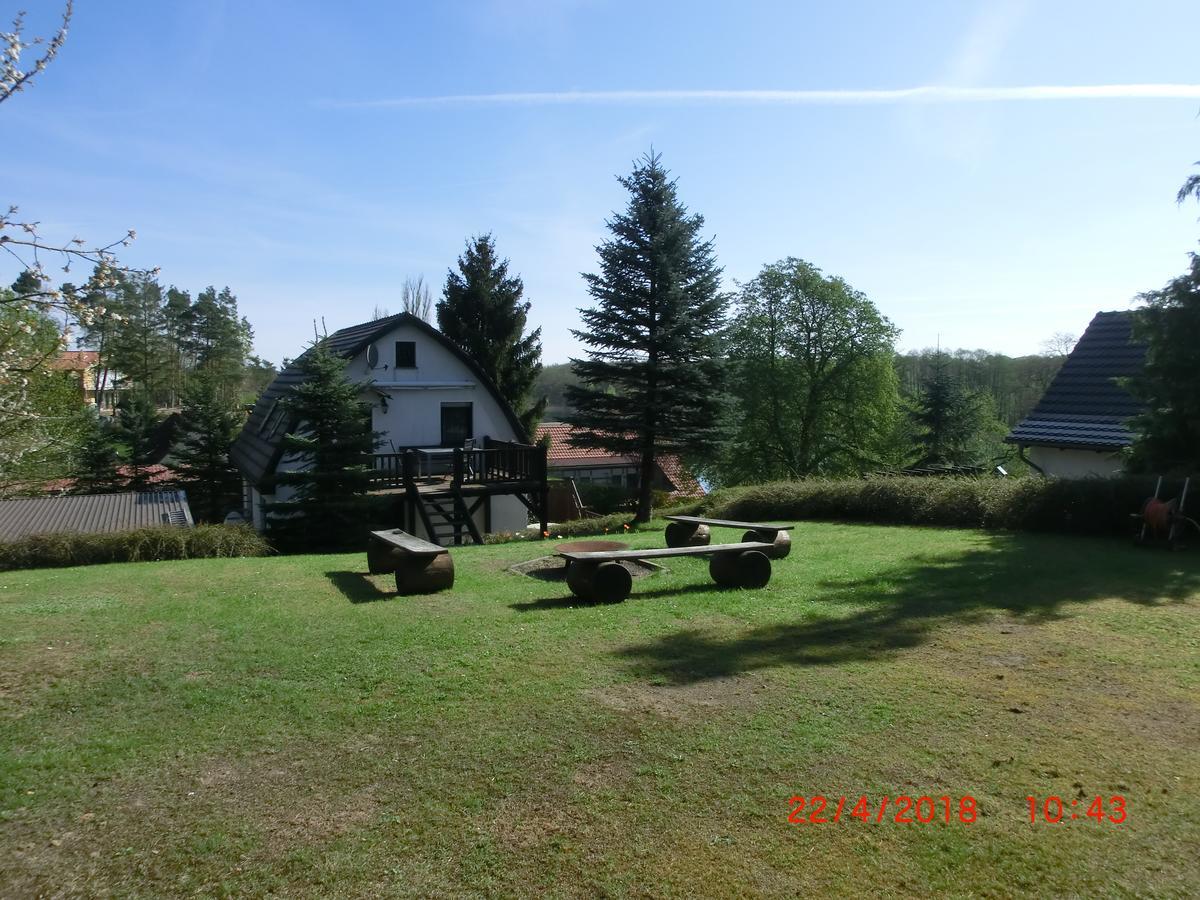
(645, 507)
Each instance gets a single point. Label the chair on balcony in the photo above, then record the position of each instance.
(468, 446)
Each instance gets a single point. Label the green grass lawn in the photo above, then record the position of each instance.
(286, 726)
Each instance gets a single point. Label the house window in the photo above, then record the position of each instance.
(406, 354)
(457, 424)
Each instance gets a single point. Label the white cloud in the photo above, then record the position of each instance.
(891, 96)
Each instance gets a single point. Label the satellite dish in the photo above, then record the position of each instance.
(372, 356)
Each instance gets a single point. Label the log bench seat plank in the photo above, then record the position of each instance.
(693, 531)
(726, 523)
(410, 543)
(598, 576)
(421, 567)
(602, 555)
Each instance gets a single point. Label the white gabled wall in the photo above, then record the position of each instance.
(415, 396)
(413, 417)
(1075, 463)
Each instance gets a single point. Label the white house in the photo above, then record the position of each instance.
(453, 453)
(1081, 425)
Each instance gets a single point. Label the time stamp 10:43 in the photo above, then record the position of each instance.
(926, 810)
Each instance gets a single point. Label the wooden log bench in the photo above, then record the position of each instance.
(693, 531)
(599, 576)
(420, 567)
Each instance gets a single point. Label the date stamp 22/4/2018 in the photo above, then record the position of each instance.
(926, 810)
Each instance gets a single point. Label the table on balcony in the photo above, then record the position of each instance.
(427, 454)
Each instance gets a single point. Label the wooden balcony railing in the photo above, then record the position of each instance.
(496, 463)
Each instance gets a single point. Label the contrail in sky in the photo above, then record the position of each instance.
(921, 94)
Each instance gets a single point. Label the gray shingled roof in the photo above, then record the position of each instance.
(92, 513)
(257, 449)
(1085, 408)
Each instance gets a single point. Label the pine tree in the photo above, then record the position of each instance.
(137, 429)
(96, 459)
(481, 311)
(207, 428)
(1168, 433)
(331, 445)
(652, 335)
(950, 418)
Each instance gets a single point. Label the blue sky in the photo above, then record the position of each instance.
(313, 155)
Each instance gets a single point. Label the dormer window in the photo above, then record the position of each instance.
(406, 354)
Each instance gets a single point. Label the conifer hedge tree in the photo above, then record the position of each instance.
(137, 427)
(207, 428)
(650, 382)
(328, 455)
(482, 311)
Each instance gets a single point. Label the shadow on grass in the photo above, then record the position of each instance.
(357, 587)
(570, 601)
(1028, 576)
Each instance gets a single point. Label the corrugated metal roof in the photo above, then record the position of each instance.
(1084, 407)
(92, 513)
(257, 450)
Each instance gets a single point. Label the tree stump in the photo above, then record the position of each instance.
(424, 574)
(781, 539)
(687, 534)
(749, 569)
(608, 582)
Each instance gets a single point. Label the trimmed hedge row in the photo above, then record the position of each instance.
(1096, 506)
(145, 544)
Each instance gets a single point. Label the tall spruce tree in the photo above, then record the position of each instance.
(950, 418)
(137, 429)
(650, 384)
(331, 446)
(96, 458)
(481, 311)
(208, 425)
(1168, 433)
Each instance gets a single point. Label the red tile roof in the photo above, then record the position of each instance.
(563, 454)
(75, 360)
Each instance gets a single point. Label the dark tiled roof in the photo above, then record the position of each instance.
(92, 513)
(257, 450)
(1085, 408)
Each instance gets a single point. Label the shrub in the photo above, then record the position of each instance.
(1078, 506)
(142, 545)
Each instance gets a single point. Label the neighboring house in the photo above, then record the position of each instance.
(158, 475)
(92, 513)
(1080, 426)
(84, 365)
(589, 465)
(98, 388)
(453, 453)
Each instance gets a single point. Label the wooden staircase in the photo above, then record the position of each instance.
(446, 518)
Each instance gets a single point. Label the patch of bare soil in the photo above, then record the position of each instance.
(552, 568)
(683, 702)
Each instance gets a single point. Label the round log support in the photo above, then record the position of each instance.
(686, 534)
(608, 582)
(781, 539)
(579, 579)
(424, 574)
(382, 558)
(748, 569)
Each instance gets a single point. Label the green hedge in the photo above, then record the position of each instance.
(145, 544)
(1100, 506)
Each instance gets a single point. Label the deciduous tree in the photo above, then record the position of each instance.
(811, 374)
